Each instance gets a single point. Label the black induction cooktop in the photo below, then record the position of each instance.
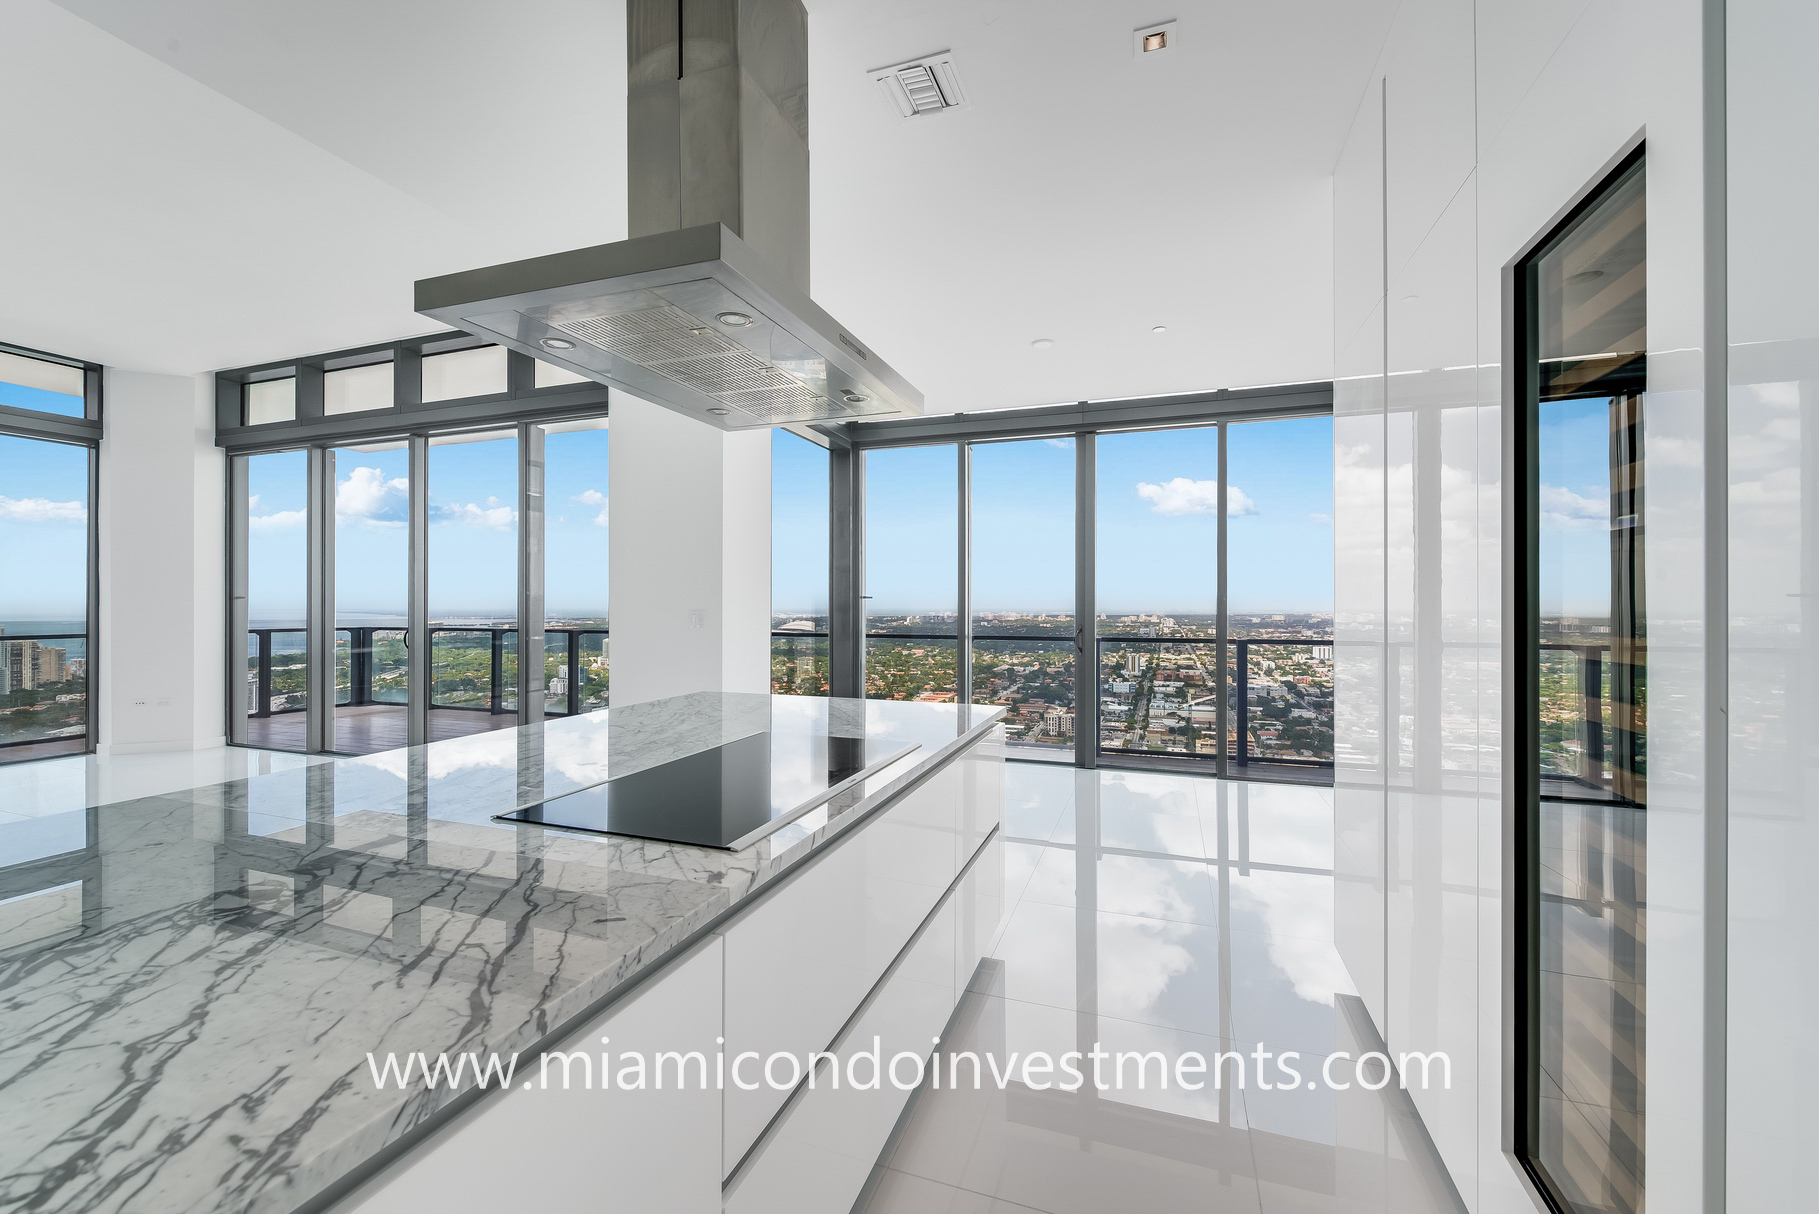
(728, 797)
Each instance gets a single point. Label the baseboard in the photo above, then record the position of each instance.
(152, 748)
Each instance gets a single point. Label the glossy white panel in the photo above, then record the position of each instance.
(1359, 659)
(1499, 112)
(818, 1159)
(798, 965)
(1774, 631)
(1432, 851)
(651, 1149)
(1429, 136)
(1358, 223)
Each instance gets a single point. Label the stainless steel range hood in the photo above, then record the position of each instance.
(706, 309)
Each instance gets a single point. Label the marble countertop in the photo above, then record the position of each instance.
(190, 983)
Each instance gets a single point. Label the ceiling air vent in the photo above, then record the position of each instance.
(921, 86)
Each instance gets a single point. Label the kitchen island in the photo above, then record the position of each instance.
(199, 991)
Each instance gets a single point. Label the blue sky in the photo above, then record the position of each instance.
(43, 530)
(798, 525)
(1575, 542)
(1157, 530)
(44, 401)
(473, 530)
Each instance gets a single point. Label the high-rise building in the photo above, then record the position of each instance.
(27, 665)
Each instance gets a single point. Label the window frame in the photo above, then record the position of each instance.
(1083, 422)
(84, 431)
(1522, 684)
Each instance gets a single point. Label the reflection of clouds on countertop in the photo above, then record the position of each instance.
(191, 1032)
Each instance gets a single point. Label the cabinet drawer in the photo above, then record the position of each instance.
(801, 962)
(819, 1157)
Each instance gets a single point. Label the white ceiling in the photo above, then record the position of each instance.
(193, 184)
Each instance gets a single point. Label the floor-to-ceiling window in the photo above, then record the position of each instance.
(912, 571)
(1158, 591)
(275, 699)
(576, 670)
(1079, 570)
(1022, 584)
(1279, 593)
(473, 581)
(799, 565)
(372, 561)
(397, 512)
(49, 428)
(1582, 333)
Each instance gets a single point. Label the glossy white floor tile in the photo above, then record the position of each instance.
(40, 787)
(1165, 916)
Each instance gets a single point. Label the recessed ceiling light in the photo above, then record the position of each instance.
(1585, 276)
(734, 320)
(557, 343)
(1043, 343)
(1151, 39)
(1160, 329)
(720, 412)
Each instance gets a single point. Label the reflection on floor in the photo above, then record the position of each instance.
(75, 782)
(373, 727)
(20, 752)
(1158, 912)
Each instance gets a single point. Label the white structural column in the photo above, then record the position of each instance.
(689, 540)
(163, 566)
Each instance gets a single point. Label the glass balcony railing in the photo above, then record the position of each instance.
(472, 669)
(1160, 697)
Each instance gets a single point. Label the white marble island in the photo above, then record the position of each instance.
(195, 1036)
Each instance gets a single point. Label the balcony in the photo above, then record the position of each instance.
(473, 683)
(1159, 700)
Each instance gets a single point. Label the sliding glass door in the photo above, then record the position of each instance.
(272, 706)
(473, 582)
(372, 561)
(420, 553)
(912, 572)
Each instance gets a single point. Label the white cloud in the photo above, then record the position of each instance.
(494, 515)
(1325, 520)
(1184, 496)
(593, 497)
(1066, 444)
(1561, 507)
(367, 497)
(40, 510)
(272, 522)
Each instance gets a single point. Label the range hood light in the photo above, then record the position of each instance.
(557, 343)
(734, 320)
(854, 398)
(720, 412)
(1043, 343)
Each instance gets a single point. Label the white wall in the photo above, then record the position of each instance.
(1773, 100)
(689, 540)
(1484, 120)
(162, 505)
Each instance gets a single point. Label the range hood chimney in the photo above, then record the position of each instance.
(705, 309)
